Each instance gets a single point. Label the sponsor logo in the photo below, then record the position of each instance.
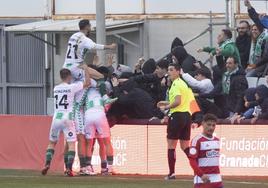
(70, 134)
(212, 153)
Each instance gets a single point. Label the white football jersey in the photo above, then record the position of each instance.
(94, 99)
(64, 96)
(78, 45)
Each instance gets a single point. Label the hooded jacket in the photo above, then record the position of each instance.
(187, 61)
(262, 91)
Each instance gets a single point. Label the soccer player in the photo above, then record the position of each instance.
(96, 126)
(78, 112)
(63, 118)
(78, 45)
(204, 156)
(179, 122)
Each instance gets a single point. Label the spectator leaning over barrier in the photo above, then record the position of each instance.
(188, 62)
(234, 85)
(261, 110)
(132, 101)
(179, 123)
(200, 83)
(259, 57)
(156, 81)
(243, 42)
(227, 47)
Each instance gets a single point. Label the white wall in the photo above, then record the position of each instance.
(136, 6)
(37, 8)
(162, 33)
(182, 6)
(24, 8)
(89, 6)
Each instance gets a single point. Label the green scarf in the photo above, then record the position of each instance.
(226, 81)
(258, 50)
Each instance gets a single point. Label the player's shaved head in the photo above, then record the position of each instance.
(83, 24)
(65, 73)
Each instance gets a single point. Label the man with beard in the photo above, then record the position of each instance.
(243, 42)
(78, 45)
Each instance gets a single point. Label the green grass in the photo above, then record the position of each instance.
(33, 179)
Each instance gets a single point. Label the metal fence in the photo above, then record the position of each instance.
(23, 74)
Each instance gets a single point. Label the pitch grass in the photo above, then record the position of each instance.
(33, 179)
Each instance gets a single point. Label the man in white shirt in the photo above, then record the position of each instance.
(78, 45)
(200, 82)
(64, 94)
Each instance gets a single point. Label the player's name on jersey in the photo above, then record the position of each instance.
(63, 91)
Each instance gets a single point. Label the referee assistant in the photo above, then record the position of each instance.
(179, 122)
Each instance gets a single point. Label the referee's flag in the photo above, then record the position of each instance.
(194, 107)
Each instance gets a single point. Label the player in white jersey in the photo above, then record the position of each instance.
(63, 118)
(204, 156)
(97, 126)
(78, 45)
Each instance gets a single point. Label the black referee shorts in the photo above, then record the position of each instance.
(179, 126)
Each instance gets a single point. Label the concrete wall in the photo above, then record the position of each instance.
(162, 32)
(43, 8)
(25, 8)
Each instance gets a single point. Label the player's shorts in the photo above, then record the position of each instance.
(78, 74)
(62, 122)
(179, 126)
(79, 119)
(96, 124)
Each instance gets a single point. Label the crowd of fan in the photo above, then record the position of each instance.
(222, 90)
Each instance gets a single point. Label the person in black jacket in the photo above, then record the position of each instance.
(155, 83)
(187, 62)
(132, 102)
(228, 94)
(262, 102)
(234, 85)
(243, 42)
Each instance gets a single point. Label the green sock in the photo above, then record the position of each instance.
(82, 160)
(66, 159)
(49, 156)
(88, 160)
(71, 155)
(110, 160)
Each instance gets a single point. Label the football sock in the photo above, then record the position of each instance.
(82, 161)
(66, 159)
(171, 160)
(88, 161)
(110, 160)
(104, 164)
(49, 156)
(71, 155)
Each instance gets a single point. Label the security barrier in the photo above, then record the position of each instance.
(139, 148)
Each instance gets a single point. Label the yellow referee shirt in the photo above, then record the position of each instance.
(179, 87)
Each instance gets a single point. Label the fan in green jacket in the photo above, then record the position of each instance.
(227, 48)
